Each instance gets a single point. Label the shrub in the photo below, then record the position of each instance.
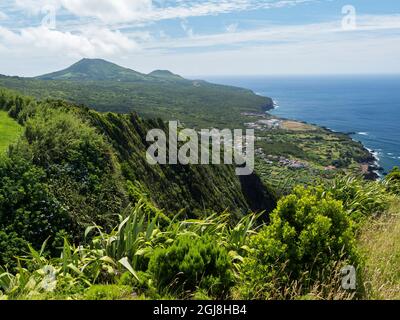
(309, 232)
(11, 246)
(60, 177)
(192, 263)
(80, 164)
(27, 207)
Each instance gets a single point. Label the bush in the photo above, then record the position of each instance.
(11, 246)
(192, 263)
(60, 177)
(27, 207)
(56, 137)
(309, 232)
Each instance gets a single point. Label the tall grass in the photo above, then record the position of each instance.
(362, 199)
(106, 256)
(380, 244)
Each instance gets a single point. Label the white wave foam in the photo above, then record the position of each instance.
(375, 154)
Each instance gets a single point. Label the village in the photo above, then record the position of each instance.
(271, 159)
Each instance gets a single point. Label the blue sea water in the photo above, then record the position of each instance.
(366, 105)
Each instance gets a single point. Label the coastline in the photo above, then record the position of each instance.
(375, 165)
(370, 166)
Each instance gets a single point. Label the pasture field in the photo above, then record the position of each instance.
(10, 130)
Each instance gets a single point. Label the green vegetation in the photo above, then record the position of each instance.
(380, 245)
(361, 200)
(287, 157)
(393, 180)
(309, 232)
(84, 216)
(9, 131)
(127, 257)
(95, 69)
(298, 255)
(192, 263)
(73, 167)
(107, 87)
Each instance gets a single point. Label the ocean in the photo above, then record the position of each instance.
(369, 106)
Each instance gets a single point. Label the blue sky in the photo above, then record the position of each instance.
(203, 37)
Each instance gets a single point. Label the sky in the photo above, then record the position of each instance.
(203, 37)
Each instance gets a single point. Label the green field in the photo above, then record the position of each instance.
(10, 130)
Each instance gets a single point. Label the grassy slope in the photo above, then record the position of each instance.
(193, 189)
(195, 103)
(380, 243)
(10, 130)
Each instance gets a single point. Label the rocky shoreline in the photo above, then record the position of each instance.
(375, 170)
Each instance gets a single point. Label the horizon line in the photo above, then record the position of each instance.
(295, 75)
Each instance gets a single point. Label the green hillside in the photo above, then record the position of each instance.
(73, 167)
(10, 130)
(165, 74)
(105, 86)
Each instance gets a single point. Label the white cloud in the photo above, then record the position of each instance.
(340, 56)
(118, 11)
(373, 47)
(36, 6)
(92, 42)
(308, 48)
(109, 11)
(367, 25)
(3, 16)
(378, 22)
